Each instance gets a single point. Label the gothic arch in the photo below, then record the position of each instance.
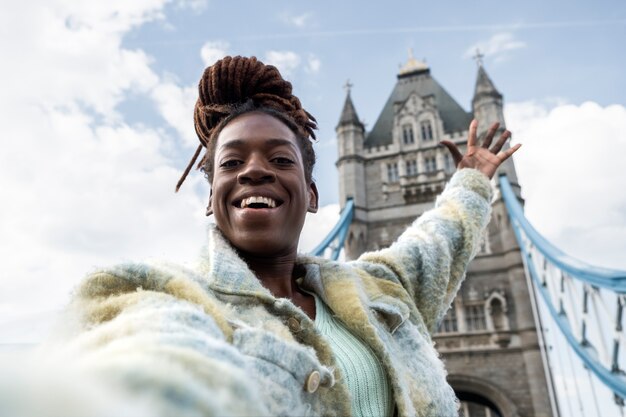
(465, 385)
(496, 312)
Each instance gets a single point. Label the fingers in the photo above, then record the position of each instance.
(492, 131)
(504, 155)
(473, 127)
(500, 143)
(454, 150)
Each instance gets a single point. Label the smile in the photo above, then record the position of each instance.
(257, 202)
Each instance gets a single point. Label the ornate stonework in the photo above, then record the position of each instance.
(488, 339)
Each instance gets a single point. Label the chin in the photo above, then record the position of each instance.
(263, 244)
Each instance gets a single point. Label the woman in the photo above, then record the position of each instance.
(257, 329)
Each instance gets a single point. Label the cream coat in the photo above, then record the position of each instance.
(213, 341)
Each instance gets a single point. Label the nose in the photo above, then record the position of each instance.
(257, 170)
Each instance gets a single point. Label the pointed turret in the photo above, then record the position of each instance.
(484, 86)
(348, 114)
(487, 101)
(350, 138)
(487, 106)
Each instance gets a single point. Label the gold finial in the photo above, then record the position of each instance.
(412, 64)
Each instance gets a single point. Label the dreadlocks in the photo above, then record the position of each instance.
(237, 85)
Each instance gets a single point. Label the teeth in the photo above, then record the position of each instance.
(264, 200)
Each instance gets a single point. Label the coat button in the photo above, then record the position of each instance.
(312, 382)
(294, 324)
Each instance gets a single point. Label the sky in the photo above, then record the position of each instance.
(96, 108)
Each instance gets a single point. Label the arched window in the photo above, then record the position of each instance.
(497, 315)
(497, 309)
(474, 405)
(475, 317)
(407, 134)
(411, 168)
(427, 130)
(449, 323)
(447, 159)
(431, 163)
(392, 172)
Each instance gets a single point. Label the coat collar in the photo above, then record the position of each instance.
(226, 273)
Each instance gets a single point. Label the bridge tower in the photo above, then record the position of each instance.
(489, 338)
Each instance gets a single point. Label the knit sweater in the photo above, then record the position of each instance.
(365, 376)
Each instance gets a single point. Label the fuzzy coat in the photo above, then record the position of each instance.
(213, 341)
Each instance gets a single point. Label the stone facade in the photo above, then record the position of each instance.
(488, 339)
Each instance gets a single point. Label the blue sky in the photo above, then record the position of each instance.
(97, 102)
(363, 44)
(558, 50)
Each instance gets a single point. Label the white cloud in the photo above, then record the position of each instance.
(572, 174)
(285, 61)
(197, 6)
(175, 104)
(299, 21)
(317, 226)
(80, 186)
(212, 51)
(313, 64)
(497, 47)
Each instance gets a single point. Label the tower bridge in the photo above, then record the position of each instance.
(525, 306)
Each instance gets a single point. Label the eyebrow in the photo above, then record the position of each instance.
(271, 142)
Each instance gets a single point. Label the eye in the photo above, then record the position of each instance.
(281, 160)
(230, 163)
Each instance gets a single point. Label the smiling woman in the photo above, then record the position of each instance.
(256, 328)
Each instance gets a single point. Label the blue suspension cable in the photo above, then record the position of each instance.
(601, 277)
(339, 232)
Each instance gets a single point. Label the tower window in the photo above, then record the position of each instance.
(392, 172)
(411, 168)
(448, 162)
(407, 134)
(475, 317)
(449, 323)
(431, 164)
(427, 130)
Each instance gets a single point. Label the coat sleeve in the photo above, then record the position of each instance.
(430, 258)
(152, 349)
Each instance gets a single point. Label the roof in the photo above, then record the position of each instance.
(420, 82)
(348, 114)
(484, 85)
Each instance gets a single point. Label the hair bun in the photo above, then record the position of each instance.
(234, 81)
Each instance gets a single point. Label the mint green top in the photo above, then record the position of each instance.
(365, 376)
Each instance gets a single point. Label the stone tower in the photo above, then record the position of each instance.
(488, 339)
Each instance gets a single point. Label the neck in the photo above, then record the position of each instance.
(277, 274)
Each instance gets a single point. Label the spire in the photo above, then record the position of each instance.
(348, 114)
(484, 85)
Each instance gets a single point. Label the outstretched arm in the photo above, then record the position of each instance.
(430, 258)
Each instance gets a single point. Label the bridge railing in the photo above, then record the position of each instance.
(586, 302)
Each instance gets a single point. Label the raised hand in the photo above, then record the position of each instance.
(481, 157)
